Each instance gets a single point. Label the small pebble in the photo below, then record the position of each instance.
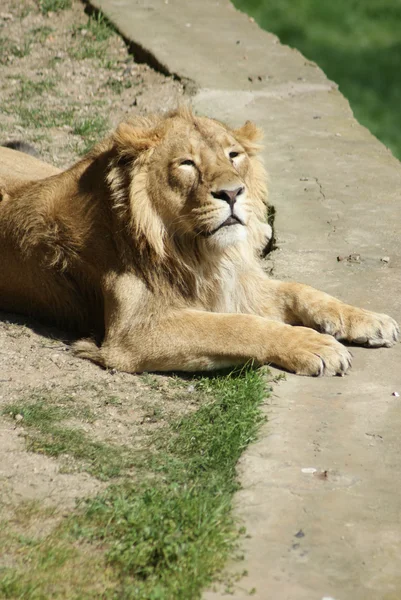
(396, 394)
(309, 470)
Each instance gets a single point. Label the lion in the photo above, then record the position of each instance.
(150, 244)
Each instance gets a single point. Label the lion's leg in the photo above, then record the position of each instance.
(301, 304)
(193, 340)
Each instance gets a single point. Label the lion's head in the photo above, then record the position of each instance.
(191, 181)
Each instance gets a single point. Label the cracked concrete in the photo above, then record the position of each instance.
(319, 495)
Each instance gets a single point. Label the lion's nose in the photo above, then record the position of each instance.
(229, 196)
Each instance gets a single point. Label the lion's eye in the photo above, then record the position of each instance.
(233, 155)
(187, 163)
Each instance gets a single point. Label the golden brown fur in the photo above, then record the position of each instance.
(151, 244)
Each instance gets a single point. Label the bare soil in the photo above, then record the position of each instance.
(64, 82)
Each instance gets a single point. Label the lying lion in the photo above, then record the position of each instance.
(151, 242)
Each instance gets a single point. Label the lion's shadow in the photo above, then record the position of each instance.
(52, 332)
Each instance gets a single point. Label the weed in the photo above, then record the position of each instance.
(118, 86)
(150, 380)
(40, 34)
(112, 401)
(99, 27)
(8, 48)
(42, 117)
(21, 50)
(87, 49)
(54, 61)
(109, 64)
(23, 11)
(28, 88)
(47, 6)
(91, 129)
(93, 44)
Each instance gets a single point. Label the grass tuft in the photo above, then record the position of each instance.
(93, 38)
(47, 6)
(91, 129)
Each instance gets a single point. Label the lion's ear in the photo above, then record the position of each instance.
(131, 141)
(249, 136)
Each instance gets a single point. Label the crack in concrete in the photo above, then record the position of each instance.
(322, 194)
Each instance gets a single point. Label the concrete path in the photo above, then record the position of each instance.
(334, 532)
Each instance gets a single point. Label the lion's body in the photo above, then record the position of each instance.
(151, 242)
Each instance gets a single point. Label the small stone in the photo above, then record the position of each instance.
(309, 470)
(385, 259)
(395, 394)
(299, 534)
(191, 389)
(18, 417)
(354, 258)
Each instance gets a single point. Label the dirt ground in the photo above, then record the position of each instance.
(64, 82)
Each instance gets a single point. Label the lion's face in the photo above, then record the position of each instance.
(200, 178)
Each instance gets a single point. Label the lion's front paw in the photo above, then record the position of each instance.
(362, 327)
(372, 329)
(312, 353)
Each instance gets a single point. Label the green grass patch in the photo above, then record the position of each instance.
(169, 533)
(357, 44)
